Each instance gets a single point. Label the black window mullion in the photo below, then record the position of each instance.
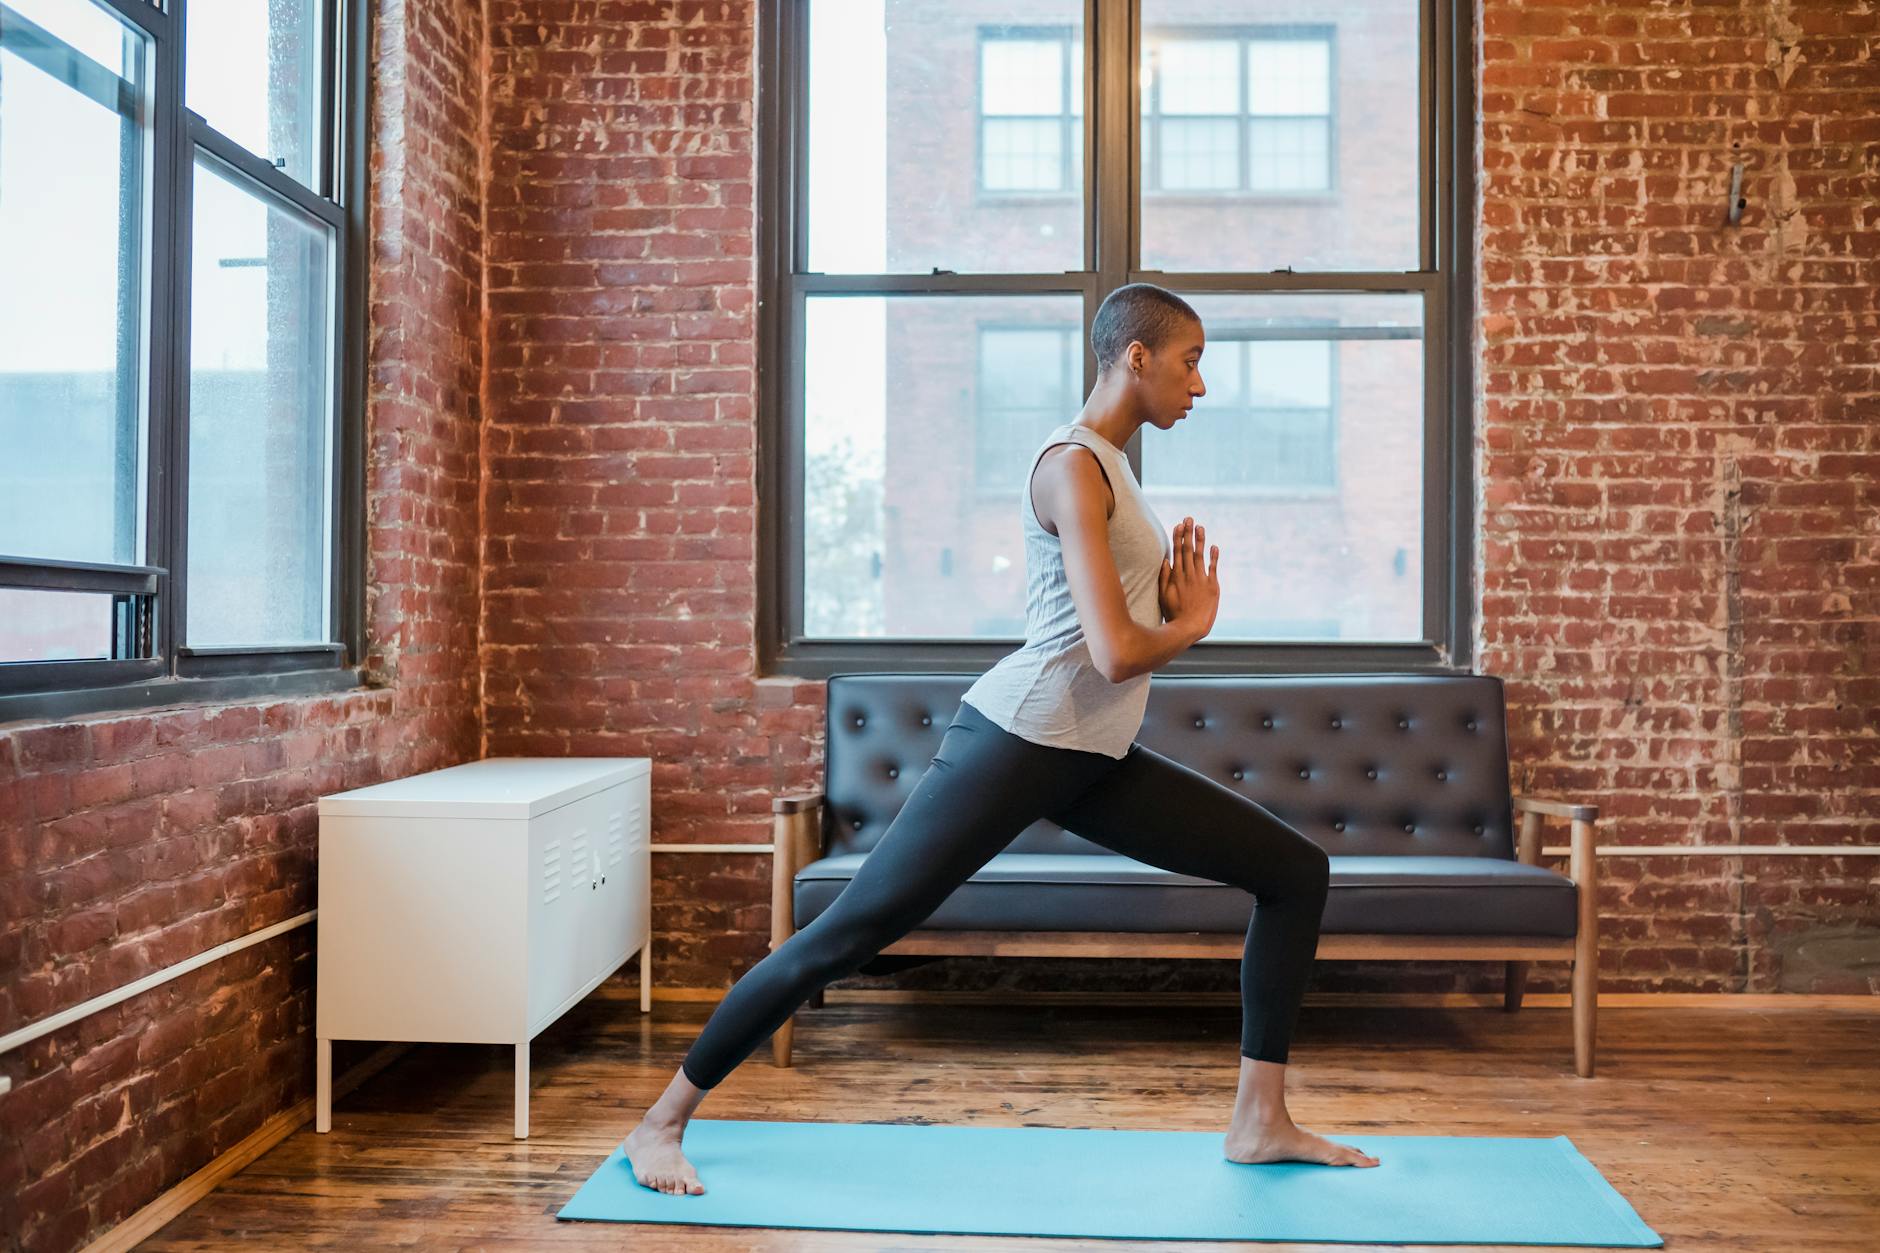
(132, 293)
(281, 187)
(1117, 190)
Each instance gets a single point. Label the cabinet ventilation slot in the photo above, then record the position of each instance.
(638, 825)
(616, 838)
(551, 872)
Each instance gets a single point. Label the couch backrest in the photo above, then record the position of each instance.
(1303, 746)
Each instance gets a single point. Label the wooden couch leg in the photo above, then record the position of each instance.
(1585, 948)
(1513, 984)
(796, 841)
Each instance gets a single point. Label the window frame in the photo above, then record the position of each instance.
(1112, 214)
(1244, 36)
(176, 672)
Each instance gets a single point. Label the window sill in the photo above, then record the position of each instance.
(812, 661)
(166, 692)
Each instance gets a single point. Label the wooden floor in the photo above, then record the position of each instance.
(1724, 1128)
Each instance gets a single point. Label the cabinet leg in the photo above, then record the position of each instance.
(522, 1090)
(646, 976)
(322, 1086)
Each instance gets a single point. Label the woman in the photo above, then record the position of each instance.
(1048, 732)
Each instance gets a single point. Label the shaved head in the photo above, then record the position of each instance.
(1138, 311)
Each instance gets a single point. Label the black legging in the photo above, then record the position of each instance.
(984, 786)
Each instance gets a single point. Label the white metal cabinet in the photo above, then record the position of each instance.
(478, 903)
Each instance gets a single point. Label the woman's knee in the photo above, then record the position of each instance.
(851, 940)
(1308, 868)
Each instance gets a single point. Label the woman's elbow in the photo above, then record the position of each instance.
(1114, 667)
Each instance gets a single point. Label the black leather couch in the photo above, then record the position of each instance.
(1402, 779)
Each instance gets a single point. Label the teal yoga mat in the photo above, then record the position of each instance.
(1066, 1181)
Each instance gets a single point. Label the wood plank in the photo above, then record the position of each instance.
(1741, 1128)
(1224, 945)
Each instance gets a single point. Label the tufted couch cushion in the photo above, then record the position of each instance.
(1402, 779)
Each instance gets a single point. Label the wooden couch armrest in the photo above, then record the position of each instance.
(1555, 809)
(794, 802)
(796, 840)
(1581, 865)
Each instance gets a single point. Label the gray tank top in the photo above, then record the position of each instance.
(1049, 691)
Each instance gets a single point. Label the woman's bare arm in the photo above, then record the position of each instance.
(1070, 490)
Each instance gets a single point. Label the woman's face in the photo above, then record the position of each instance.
(1169, 381)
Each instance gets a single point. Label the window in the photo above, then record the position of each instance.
(1021, 398)
(1246, 114)
(171, 392)
(933, 252)
(1031, 106)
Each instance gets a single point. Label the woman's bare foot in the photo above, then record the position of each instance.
(1285, 1142)
(658, 1162)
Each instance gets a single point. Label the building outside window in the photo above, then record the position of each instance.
(1245, 113)
(1031, 106)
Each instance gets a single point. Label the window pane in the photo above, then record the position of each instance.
(1304, 461)
(918, 158)
(1200, 155)
(1196, 76)
(1024, 76)
(89, 29)
(255, 73)
(54, 626)
(1289, 154)
(260, 410)
(1024, 154)
(901, 535)
(1029, 382)
(73, 155)
(1332, 112)
(1289, 76)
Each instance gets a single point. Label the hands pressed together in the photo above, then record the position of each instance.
(1189, 586)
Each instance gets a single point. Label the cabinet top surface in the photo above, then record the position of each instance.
(496, 787)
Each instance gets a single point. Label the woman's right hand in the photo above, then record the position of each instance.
(1190, 586)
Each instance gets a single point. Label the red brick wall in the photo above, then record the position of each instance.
(1680, 467)
(132, 842)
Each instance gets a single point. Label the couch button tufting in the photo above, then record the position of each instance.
(1442, 776)
(925, 721)
(1478, 828)
(858, 722)
(894, 772)
(1198, 722)
(1410, 826)
(857, 824)
(1470, 724)
(1403, 724)
(1305, 772)
(1339, 825)
(1237, 774)
(1336, 724)
(1267, 723)
(1370, 774)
